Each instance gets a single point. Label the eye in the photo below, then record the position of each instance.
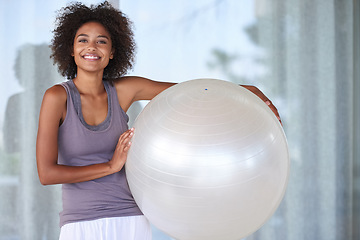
(82, 40)
(102, 42)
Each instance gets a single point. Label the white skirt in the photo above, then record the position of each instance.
(117, 228)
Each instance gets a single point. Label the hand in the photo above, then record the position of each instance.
(120, 155)
(262, 96)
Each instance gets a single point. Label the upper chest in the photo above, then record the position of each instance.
(94, 108)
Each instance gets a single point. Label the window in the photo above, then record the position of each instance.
(303, 54)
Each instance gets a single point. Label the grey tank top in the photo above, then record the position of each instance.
(80, 144)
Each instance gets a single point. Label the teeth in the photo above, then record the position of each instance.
(91, 57)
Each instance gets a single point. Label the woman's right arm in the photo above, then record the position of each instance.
(52, 112)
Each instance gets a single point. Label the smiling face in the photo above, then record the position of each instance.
(92, 48)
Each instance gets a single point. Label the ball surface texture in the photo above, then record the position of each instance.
(209, 160)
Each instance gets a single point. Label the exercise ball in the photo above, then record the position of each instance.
(209, 160)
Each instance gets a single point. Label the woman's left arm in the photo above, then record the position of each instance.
(138, 88)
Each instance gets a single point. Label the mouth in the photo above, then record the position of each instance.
(91, 57)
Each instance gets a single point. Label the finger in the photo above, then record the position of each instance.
(126, 134)
(262, 96)
(274, 109)
(123, 144)
(127, 147)
(125, 141)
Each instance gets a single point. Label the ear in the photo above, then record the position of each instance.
(112, 53)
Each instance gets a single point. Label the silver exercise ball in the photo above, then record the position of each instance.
(209, 160)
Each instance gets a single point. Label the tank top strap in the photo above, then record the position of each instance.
(117, 110)
(70, 110)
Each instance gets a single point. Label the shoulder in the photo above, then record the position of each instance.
(56, 93)
(54, 101)
(126, 89)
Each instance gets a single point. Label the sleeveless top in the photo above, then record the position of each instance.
(80, 144)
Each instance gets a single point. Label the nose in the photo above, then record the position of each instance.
(91, 46)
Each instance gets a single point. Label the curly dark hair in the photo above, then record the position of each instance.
(72, 17)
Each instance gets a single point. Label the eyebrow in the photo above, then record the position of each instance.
(85, 35)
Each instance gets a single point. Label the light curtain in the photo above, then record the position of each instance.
(303, 54)
(312, 47)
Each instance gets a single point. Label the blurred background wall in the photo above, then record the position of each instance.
(303, 54)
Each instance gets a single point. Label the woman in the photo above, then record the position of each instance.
(83, 137)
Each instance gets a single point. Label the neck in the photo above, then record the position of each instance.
(89, 83)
